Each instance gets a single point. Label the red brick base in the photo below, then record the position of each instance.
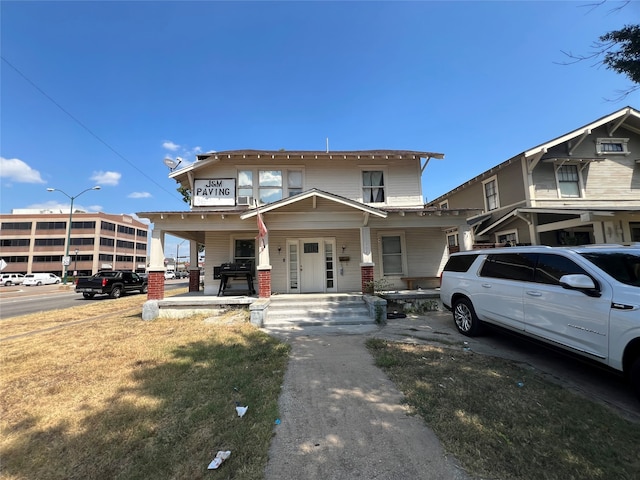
(156, 286)
(366, 273)
(264, 283)
(194, 280)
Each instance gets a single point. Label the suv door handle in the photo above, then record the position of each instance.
(486, 285)
(534, 294)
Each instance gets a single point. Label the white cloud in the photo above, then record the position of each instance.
(18, 171)
(106, 178)
(169, 145)
(139, 195)
(57, 207)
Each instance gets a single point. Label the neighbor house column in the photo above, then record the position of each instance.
(366, 259)
(194, 268)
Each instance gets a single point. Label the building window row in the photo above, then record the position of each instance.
(14, 242)
(88, 225)
(47, 258)
(51, 225)
(16, 225)
(107, 242)
(16, 259)
(125, 244)
(107, 226)
(126, 230)
(124, 258)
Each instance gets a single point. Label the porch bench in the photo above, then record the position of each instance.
(428, 282)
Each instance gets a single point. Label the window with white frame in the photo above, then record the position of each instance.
(612, 146)
(271, 185)
(568, 178)
(373, 186)
(392, 253)
(444, 205)
(491, 199)
(509, 237)
(294, 182)
(452, 239)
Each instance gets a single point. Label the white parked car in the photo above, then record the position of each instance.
(8, 279)
(169, 275)
(38, 279)
(583, 299)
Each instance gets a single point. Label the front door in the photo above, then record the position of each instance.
(311, 266)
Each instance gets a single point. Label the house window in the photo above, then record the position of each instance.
(373, 186)
(294, 182)
(510, 237)
(612, 146)
(244, 251)
(269, 186)
(245, 183)
(444, 205)
(568, 181)
(491, 200)
(452, 239)
(392, 259)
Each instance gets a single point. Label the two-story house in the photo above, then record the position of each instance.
(335, 221)
(580, 188)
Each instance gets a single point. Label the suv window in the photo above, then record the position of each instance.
(551, 267)
(459, 263)
(512, 266)
(624, 267)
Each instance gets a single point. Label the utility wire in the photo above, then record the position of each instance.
(94, 135)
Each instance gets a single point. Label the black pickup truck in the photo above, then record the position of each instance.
(112, 283)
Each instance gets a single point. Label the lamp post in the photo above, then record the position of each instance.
(178, 253)
(75, 268)
(66, 259)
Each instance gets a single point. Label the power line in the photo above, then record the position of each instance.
(93, 134)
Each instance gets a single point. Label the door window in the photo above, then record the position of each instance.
(512, 266)
(551, 267)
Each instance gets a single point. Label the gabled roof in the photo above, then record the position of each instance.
(315, 193)
(628, 116)
(205, 159)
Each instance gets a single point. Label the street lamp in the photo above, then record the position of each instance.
(75, 268)
(65, 261)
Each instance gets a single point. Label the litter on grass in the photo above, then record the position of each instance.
(221, 456)
(241, 410)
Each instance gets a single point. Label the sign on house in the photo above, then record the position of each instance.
(214, 192)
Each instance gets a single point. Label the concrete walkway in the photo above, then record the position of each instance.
(342, 418)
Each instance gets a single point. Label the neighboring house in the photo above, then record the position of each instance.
(336, 220)
(580, 188)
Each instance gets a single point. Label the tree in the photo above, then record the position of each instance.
(618, 50)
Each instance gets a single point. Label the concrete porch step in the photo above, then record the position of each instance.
(317, 310)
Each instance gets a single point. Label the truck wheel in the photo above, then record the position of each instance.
(144, 289)
(465, 317)
(116, 292)
(634, 376)
(88, 295)
(38, 284)
(8, 284)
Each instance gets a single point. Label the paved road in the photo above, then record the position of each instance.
(18, 300)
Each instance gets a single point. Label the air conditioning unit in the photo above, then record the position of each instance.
(244, 200)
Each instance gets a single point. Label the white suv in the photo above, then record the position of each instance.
(8, 279)
(583, 299)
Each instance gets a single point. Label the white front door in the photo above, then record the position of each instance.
(312, 272)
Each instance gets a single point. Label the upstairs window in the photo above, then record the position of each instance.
(270, 186)
(491, 199)
(294, 182)
(373, 186)
(568, 181)
(612, 146)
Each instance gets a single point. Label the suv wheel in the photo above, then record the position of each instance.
(634, 376)
(465, 317)
(116, 292)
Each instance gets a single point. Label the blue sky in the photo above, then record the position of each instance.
(101, 92)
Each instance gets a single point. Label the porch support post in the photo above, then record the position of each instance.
(156, 266)
(194, 268)
(465, 234)
(264, 268)
(366, 258)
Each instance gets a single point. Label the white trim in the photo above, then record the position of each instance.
(507, 232)
(581, 188)
(624, 142)
(403, 247)
(484, 193)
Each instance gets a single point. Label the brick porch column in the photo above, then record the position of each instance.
(194, 280)
(156, 286)
(366, 274)
(264, 282)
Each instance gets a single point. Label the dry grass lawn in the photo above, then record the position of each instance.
(118, 397)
